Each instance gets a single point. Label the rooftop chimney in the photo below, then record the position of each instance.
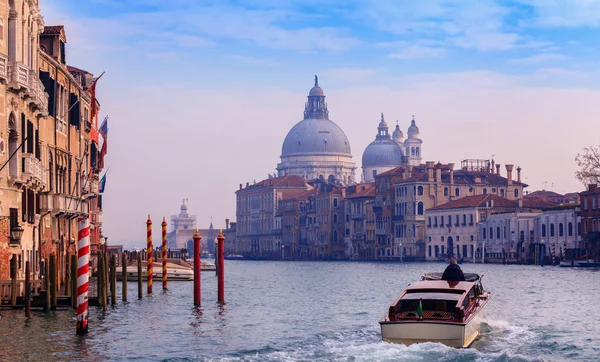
(519, 174)
(492, 171)
(509, 169)
(240, 186)
(247, 184)
(438, 173)
(429, 171)
(497, 169)
(491, 202)
(520, 203)
(451, 165)
(226, 224)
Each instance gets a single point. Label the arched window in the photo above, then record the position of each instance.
(484, 232)
(484, 190)
(420, 191)
(543, 230)
(335, 218)
(418, 152)
(51, 170)
(429, 221)
(335, 237)
(457, 192)
(502, 193)
(498, 232)
(420, 208)
(491, 233)
(445, 191)
(561, 229)
(551, 229)
(516, 193)
(412, 151)
(570, 229)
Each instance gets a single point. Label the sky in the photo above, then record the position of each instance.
(200, 94)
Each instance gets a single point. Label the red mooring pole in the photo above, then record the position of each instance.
(149, 252)
(221, 256)
(164, 254)
(197, 263)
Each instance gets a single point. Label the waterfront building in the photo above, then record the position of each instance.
(590, 218)
(316, 147)
(324, 225)
(52, 158)
(558, 229)
(289, 225)
(360, 221)
(509, 236)
(256, 211)
(426, 186)
(387, 244)
(452, 228)
(229, 233)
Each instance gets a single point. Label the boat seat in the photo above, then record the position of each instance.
(427, 314)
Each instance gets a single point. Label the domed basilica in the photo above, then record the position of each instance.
(316, 147)
(386, 153)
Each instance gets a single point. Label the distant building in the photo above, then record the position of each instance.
(508, 236)
(558, 229)
(360, 221)
(452, 228)
(551, 197)
(182, 230)
(256, 212)
(590, 218)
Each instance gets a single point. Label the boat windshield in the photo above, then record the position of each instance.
(432, 308)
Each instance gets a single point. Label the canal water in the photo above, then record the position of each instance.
(318, 311)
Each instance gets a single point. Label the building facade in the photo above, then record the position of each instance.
(48, 144)
(316, 147)
(507, 236)
(590, 218)
(558, 229)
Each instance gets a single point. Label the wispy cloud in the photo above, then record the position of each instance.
(538, 58)
(569, 14)
(418, 52)
(561, 72)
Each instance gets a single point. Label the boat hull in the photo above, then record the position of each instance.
(458, 335)
(172, 274)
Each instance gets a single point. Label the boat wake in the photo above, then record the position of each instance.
(499, 341)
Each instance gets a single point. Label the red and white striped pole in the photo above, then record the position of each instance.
(149, 252)
(83, 265)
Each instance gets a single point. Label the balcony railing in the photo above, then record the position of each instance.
(18, 75)
(3, 68)
(34, 172)
(61, 204)
(38, 97)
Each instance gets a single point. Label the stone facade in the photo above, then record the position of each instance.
(590, 218)
(48, 140)
(558, 229)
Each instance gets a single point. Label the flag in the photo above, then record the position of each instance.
(93, 107)
(104, 128)
(420, 309)
(103, 152)
(102, 183)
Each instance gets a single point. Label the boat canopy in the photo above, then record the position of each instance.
(432, 296)
(469, 277)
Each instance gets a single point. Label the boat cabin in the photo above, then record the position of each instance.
(440, 300)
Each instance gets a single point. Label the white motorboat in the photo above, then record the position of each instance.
(435, 310)
(176, 270)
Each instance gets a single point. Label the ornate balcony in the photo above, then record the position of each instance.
(34, 173)
(63, 205)
(3, 68)
(97, 218)
(18, 76)
(37, 96)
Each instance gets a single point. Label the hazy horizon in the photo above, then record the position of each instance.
(201, 96)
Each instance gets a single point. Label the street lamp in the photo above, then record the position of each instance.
(282, 251)
(400, 245)
(16, 232)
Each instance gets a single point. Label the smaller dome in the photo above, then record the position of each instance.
(316, 91)
(413, 130)
(382, 152)
(398, 136)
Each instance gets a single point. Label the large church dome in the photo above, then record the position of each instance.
(383, 151)
(316, 134)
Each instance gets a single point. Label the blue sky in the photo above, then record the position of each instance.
(201, 94)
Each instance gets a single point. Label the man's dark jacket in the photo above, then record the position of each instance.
(454, 273)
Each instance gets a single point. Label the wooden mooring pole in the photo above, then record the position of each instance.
(221, 256)
(124, 275)
(197, 262)
(113, 279)
(13, 277)
(27, 289)
(53, 282)
(139, 273)
(47, 283)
